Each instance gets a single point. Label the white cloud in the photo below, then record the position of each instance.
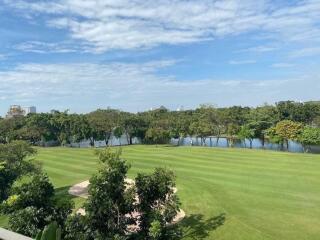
(47, 47)
(126, 24)
(138, 87)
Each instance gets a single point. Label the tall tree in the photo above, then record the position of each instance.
(103, 122)
(288, 130)
(111, 201)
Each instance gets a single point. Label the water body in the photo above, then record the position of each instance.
(113, 141)
(192, 141)
(256, 144)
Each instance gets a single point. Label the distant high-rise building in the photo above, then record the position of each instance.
(28, 110)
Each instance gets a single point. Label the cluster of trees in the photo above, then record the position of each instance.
(160, 125)
(114, 209)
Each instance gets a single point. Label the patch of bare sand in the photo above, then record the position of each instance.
(81, 190)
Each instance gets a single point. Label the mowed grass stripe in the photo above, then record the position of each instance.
(265, 194)
(220, 170)
(252, 171)
(231, 159)
(236, 182)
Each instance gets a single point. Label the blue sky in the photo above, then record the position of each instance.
(135, 55)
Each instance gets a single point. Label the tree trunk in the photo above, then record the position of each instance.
(250, 143)
(305, 149)
(107, 138)
(203, 140)
(217, 140)
(263, 141)
(128, 138)
(229, 142)
(91, 142)
(282, 146)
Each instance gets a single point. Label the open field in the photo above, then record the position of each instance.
(227, 193)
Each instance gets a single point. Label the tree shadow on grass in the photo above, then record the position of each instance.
(196, 227)
(62, 193)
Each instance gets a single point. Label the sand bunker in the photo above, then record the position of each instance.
(81, 190)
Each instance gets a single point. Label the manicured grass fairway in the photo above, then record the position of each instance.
(263, 194)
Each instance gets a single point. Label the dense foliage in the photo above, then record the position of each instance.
(32, 205)
(121, 209)
(160, 125)
(14, 162)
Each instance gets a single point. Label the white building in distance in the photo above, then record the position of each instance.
(17, 110)
(28, 110)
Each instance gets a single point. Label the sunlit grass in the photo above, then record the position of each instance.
(226, 193)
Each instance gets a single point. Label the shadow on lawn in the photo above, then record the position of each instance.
(196, 227)
(62, 192)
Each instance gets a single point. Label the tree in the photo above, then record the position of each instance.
(179, 125)
(217, 122)
(80, 128)
(309, 136)
(232, 130)
(61, 121)
(201, 128)
(15, 162)
(157, 135)
(77, 227)
(134, 126)
(39, 128)
(288, 130)
(33, 205)
(111, 201)
(114, 206)
(103, 122)
(247, 132)
(273, 137)
(298, 111)
(118, 132)
(158, 204)
(9, 128)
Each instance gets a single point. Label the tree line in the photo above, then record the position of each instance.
(279, 123)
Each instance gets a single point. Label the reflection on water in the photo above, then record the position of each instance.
(210, 142)
(256, 144)
(113, 141)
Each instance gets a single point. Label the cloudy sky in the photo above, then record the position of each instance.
(137, 54)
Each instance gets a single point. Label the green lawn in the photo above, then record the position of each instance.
(230, 194)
